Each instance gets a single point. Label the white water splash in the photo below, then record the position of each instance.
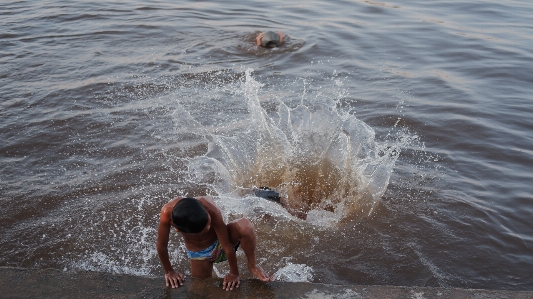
(295, 273)
(347, 294)
(324, 162)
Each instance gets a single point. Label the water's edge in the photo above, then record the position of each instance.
(52, 283)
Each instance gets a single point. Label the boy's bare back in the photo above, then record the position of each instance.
(195, 241)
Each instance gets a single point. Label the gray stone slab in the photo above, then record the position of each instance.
(49, 283)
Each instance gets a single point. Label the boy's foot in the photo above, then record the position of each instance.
(258, 272)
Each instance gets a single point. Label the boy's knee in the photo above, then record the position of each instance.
(244, 226)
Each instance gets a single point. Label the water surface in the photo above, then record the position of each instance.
(402, 129)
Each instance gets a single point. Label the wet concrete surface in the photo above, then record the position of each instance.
(51, 283)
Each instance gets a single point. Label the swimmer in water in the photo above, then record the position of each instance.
(207, 240)
(270, 39)
(272, 195)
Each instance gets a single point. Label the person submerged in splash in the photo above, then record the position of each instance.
(270, 39)
(207, 240)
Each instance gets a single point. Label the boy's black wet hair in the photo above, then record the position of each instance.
(189, 215)
(270, 39)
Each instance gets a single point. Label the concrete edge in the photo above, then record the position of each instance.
(52, 283)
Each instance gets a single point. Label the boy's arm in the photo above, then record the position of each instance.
(232, 279)
(281, 37)
(172, 277)
(259, 37)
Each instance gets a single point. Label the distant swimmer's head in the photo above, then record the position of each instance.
(189, 215)
(270, 39)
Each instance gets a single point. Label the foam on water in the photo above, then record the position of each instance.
(347, 294)
(295, 273)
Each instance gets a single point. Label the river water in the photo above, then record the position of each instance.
(402, 130)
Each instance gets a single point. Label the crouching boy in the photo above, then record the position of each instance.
(208, 240)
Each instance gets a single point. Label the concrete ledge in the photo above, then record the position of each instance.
(48, 283)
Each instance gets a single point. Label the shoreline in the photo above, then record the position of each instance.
(52, 283)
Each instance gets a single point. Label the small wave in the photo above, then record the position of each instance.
(295, 273)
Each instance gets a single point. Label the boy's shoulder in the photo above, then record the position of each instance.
(209, 205)
(206, 200)
(170, 205)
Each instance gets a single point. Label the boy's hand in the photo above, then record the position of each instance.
(259, 37)
(231, 281)
(174, 279)
(281, 37)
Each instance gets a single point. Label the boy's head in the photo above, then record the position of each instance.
(270, 39)
(189, 215)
